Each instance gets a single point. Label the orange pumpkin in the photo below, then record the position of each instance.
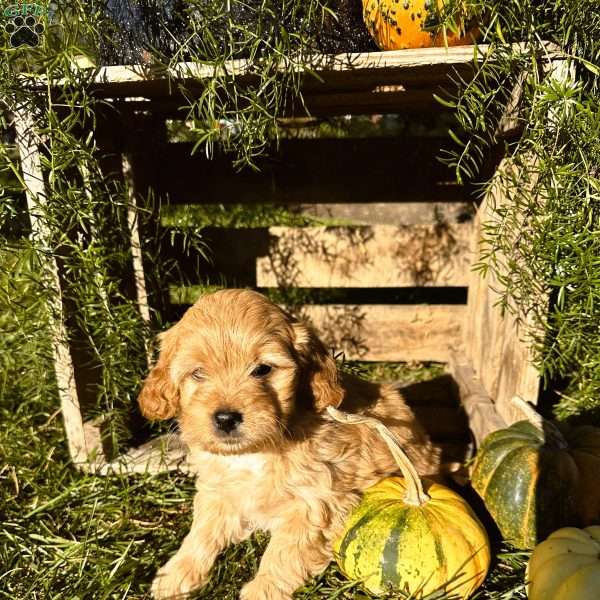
(400, 24)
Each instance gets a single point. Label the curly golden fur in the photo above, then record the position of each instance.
(249, 387)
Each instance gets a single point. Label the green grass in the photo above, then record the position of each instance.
(250, 215)
(403, 373)
(67, 535)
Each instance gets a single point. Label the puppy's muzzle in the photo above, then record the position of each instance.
(227, 422)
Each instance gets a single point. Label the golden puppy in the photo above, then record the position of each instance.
(249, 387)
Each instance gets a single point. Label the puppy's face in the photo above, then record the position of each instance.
(232, 371)
(237, 376)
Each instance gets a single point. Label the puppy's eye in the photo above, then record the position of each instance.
(198, 374)
(261, 370)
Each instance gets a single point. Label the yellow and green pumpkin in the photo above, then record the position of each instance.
(439, 545)
(537, 476)
(566, 566)
(411, 535)
(400, 24)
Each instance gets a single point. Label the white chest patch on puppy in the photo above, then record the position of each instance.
(231, 464)
(255, 463)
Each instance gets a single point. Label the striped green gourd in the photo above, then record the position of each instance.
(411, 535)
(536, 476)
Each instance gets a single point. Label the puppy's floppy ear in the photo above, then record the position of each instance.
(159, 398)
(320, 367)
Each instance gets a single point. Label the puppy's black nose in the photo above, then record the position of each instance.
(227, 421)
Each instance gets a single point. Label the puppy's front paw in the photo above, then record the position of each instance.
(263, 588)
(175, 580)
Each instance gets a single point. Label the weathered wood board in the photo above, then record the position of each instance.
(494, 343)
(388, 332)
(497, 342)
(422, 67)
(389, 213)
(481, 411)
(28, 144)
(367, 256)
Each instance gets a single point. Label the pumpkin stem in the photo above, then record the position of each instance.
(415, 494)
(551, 432)
(532, 415)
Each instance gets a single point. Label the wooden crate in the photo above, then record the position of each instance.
(400, 269)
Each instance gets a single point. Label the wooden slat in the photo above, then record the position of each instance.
(355, 69)
(28, 144)
(482, 414)
(133, 217)
(421, 66)
(388, 332)
(493, 341)
(517, 373)
(367, 256)
(378, 256)
(164, 453)
(389, 213)
(315, 171)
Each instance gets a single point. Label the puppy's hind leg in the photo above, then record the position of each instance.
(296, 552)
(211, 532)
